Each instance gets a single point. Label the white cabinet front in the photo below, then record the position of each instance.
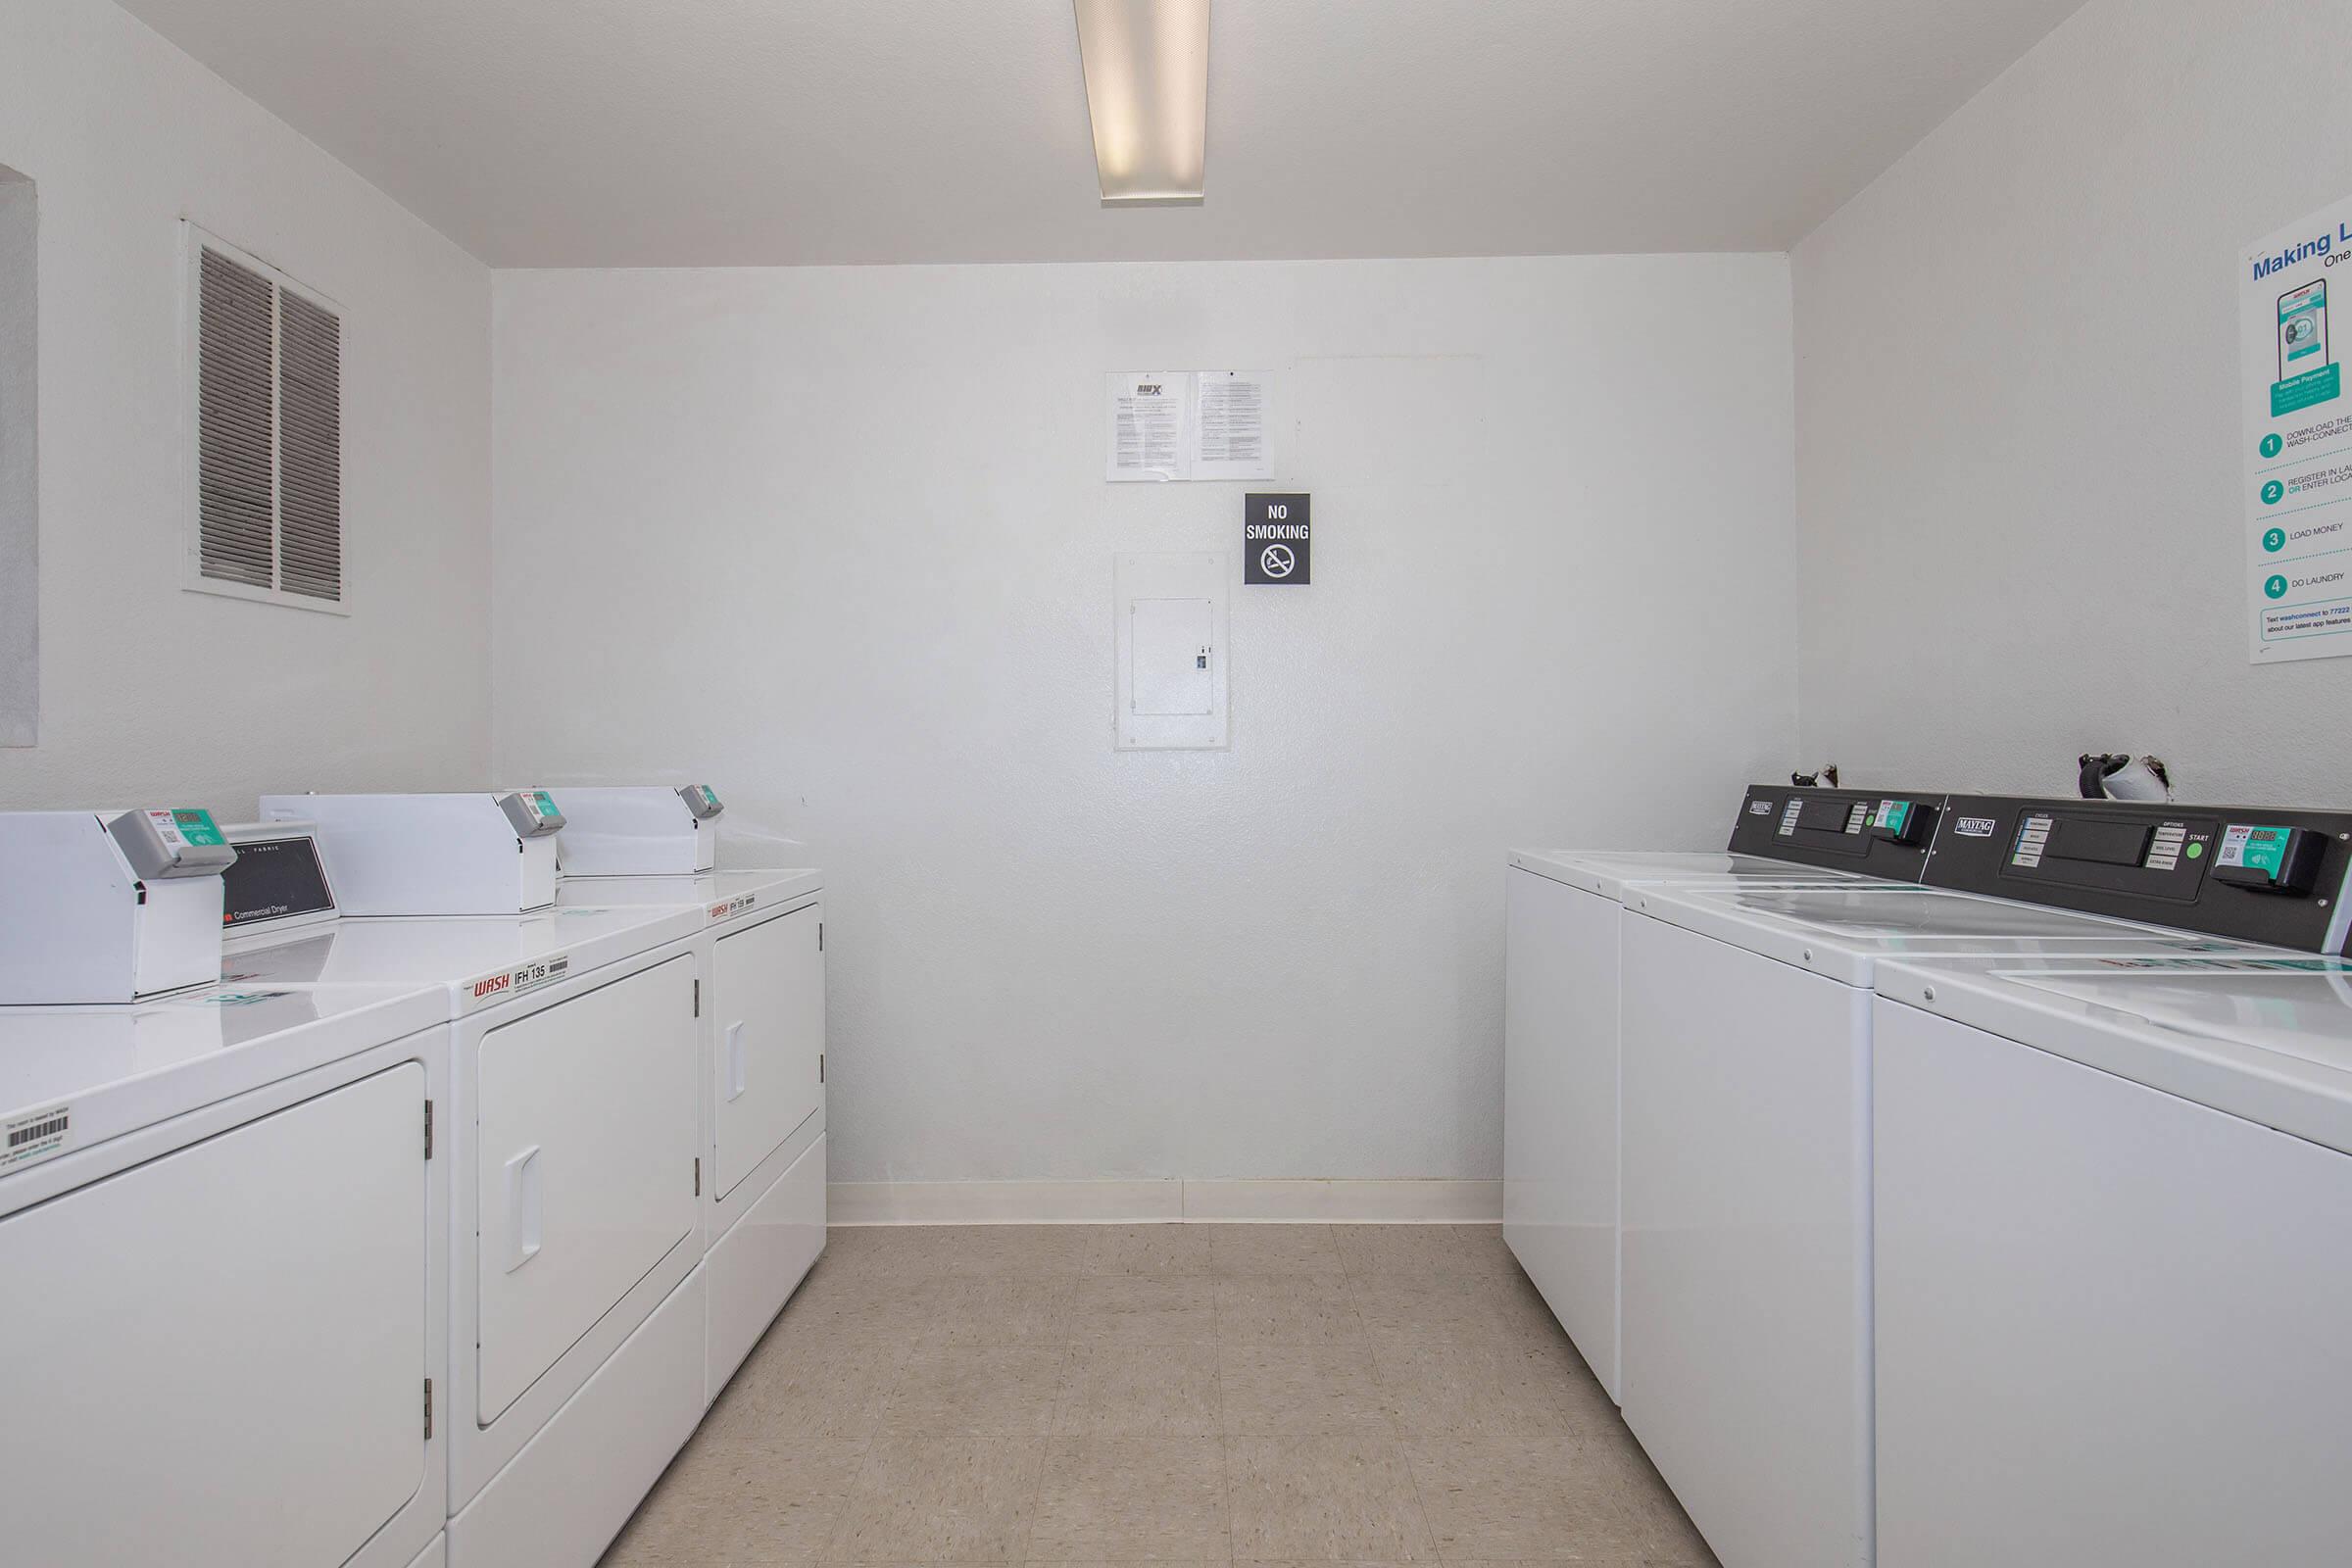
(1747, 1245)
(1559, 1106)
(769, 990)
(2111, 1323)
(219, 1356)
(586, 1135)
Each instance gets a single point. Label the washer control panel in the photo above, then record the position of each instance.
(2257, 874)
(1876, 833)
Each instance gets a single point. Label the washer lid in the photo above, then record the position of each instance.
(1608, 872)
(2262, 1035)
(479, 960)
(1843, 932)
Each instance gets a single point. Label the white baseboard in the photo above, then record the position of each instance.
(1168, 1202)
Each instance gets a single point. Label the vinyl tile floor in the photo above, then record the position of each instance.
(1165, 1394)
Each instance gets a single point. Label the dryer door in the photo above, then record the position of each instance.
(219, 1356)
(586, 1145)
(769, 990)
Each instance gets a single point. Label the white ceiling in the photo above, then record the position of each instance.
(677, 133)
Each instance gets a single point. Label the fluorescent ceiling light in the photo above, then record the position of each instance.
(1146, 92)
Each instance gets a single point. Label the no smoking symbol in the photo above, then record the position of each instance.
(1277, 540)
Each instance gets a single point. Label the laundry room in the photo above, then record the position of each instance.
(1174, 781)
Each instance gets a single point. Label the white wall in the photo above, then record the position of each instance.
(2019, 470)
(19, 512)
(149, 692)
(837, 540)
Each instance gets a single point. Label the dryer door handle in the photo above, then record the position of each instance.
(526, 1208)
(738, 1065)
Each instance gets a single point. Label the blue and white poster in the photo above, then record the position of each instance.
(2298, 442)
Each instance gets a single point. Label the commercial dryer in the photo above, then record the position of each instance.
(761, 952)
(1561, 1018)
(576, 1298)
(1748, 1114)
(223, 1231)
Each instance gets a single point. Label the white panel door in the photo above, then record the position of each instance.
(218, 1357)
(586, 1139)
(1746, 1113)
(2112, 1324)
(1559, 1106)
(768, 990)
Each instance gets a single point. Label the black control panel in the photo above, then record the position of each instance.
(1873, 832)
(273, 880)
(2254, 873)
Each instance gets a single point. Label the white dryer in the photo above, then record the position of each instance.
(226, 1236)
(1563, 919)
(2113, 1250)
(762, 952)
(576, 1302)
(1747, 1147)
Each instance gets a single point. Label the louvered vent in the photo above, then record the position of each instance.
(270, 433)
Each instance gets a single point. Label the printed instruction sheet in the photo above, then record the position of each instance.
(1188, 424)
(2297, 522)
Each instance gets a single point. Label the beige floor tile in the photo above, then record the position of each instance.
(996, 1309)
(1136, 1390)
(1288, 1310)
(976, 1390)
(1432, 1309)
(940, 1500)
(1144, 1309)
(1272, 1389)
(1130, 1499)
(736, 1504)
(1498, 1389)
(1550, 1500)
(1271, 1250)
(1029, 1249)
(1372, 1249)
(1147, 1250)
(1325, 1497)
(804, 1386)
(1484, 1249)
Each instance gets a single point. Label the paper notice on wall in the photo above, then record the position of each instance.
(1188, 424)
(1148, 419)
(2297, 518)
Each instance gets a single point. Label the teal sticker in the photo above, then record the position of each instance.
(2322, 385)
(196, 825)
(2272, 444)
(547, 805)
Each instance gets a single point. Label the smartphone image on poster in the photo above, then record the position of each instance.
(2303, 330)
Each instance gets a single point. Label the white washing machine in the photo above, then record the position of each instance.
(224, 1237)
(576, 1302)
(762, 952)
(2113, 1248)
(1746, 1113)
(1560, 1019)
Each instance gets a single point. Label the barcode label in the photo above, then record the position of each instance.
(33, 1135)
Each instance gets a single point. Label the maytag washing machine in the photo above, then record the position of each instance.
(1564, 914)
(1748, 1147)
(2113, 1252)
